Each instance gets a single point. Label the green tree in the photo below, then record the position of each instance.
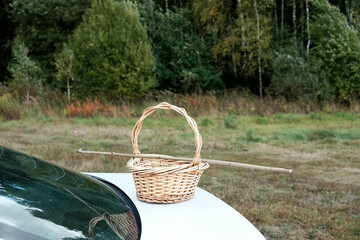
(45, 25)
(112, 53)
(183, 61)
(26, 74)
(212, 18)
(244, 41)
(356, 23)
(64, 62)
(294, 78)
(336, 49)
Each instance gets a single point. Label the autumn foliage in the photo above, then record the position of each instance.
(90, 108)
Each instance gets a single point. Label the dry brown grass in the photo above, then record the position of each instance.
(319, 200)
(197, 104)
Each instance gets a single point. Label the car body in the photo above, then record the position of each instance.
(39, 200)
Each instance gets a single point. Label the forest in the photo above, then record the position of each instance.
(301, 50)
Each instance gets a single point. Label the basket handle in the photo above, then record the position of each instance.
(182, 111)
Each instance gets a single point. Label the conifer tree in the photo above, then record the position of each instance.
(338, 54)
(25, 72)
(112, 53)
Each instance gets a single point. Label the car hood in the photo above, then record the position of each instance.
(203, 217)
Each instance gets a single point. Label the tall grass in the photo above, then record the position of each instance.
(226, 103)
(242, 102)
(9, 108)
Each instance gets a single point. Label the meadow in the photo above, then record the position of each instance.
(320, 199)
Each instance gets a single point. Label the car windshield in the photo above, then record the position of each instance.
(39, 200)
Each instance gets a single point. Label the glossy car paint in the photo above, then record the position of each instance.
(203, 217)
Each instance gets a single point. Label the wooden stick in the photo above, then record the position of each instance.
(219, 162)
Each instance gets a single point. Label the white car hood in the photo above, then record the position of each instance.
(203, 217)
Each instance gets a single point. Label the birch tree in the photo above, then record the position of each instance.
(282, 20)
(242, 24)
(167, 7)
(347, 11)
(308, 29)
(232, 50)
(246, 47)
(63, 63)
(302, 20)
(294, 21)
(25, 72)
(259, 48)
(276, 21)
(211, 17)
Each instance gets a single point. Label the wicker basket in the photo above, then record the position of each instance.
(165, 181)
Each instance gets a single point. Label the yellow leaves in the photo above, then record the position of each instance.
(7, 96)
(251, 55)
(212, 13)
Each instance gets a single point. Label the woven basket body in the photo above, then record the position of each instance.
(165, 181)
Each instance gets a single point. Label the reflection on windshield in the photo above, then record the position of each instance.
(121, 224)
(47, 202)
(20, 217)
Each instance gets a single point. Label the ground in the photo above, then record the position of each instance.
(320, 199)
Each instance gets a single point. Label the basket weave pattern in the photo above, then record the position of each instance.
(161, 180)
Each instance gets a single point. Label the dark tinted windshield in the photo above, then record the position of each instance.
(41, 201)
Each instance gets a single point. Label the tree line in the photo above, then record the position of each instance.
(298, 49)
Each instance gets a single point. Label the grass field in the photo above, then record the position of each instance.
(319, 200)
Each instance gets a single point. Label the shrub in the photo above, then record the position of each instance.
(294, 79)
(250, 137)
(91, 108)
(3, 89)
(231, 122)
(9, 107)
(206, 122)
(261, 120)
(25, 72)
(112, 55)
